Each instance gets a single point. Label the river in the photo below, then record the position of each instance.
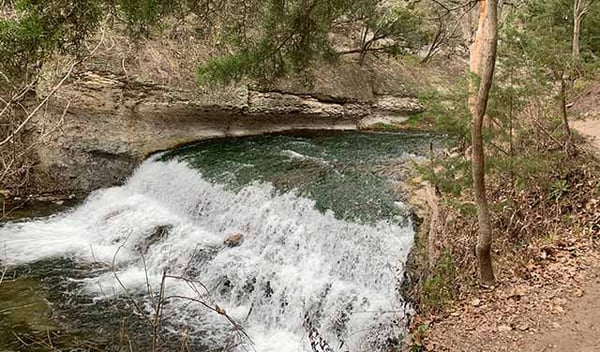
(323, 236)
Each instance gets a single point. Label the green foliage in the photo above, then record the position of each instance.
(417, 338)
(465, 208)
(401, 22)
(438, 288)
(559, 188)
(414, 120)
(288, 36)
(265, 39)
(387, 127)
(237, 66)
(539, 37)
(448, 112)
(539, 34)
(524, 130)
(590, 33)
(534, 57)
(449, 175)
(141, 15)
(38, 28)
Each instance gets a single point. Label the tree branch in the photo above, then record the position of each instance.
(52, 92)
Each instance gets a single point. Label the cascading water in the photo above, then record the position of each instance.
(301, 279)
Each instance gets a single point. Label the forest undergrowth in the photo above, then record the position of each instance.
(544, 194)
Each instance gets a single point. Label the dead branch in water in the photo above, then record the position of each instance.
(158, 299)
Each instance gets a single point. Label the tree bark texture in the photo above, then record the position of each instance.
(580, 9)
(482, 65)
(578, 12)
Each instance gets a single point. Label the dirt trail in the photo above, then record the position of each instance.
(579, 329)
(589, 128)
(586, 106)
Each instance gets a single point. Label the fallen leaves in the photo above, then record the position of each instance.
(516, 293)
(504, 318)
(504, 328)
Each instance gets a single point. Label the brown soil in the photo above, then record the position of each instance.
(586, 105)
(589, 128)
(579, 329)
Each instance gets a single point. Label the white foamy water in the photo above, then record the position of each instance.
(298, 276)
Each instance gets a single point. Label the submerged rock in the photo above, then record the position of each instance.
(22, 303)
(157, 234)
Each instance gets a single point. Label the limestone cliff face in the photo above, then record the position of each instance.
(116, 117)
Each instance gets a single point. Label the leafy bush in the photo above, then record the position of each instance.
(438, 288)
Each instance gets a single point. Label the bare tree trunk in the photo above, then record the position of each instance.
(580, 9)
(482, 65)
(577, 17)
(511, 131)
(563, 105)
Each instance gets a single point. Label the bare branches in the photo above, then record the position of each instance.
(446, 29)
(48, 96)
(3, 274)
(15, 116)
(202, 299)
(39, 106)
(158, 299)
(448, 10)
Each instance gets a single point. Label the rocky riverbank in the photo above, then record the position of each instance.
(126, 103)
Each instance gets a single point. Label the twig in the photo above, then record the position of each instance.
(37, 108)
(46, 134)
(15, 208)
(217, 310)
(20, 340)
(3, 274)
(190, 282)
(113, 269)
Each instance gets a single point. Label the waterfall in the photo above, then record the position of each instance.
(298, 277)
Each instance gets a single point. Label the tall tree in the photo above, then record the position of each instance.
(580, 8)
(482, 65)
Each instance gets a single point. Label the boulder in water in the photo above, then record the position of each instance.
(234, 240)
(156, 235)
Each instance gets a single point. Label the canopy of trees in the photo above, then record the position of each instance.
(269, 38)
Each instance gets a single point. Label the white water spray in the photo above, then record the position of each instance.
(297, 273)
